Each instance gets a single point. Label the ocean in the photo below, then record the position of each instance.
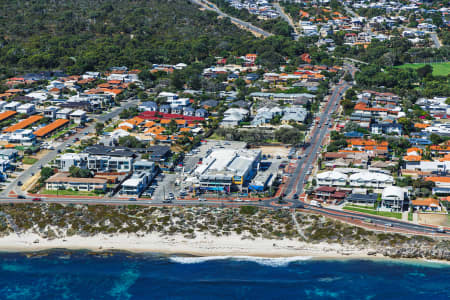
(73, 275)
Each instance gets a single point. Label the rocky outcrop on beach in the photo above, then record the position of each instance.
(434, 252)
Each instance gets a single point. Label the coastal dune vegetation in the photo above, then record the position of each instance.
(56, 221)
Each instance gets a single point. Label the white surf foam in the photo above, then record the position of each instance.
(265, 261)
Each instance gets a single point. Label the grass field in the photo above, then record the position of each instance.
(439, 69)
(68, 193)
(29, 160)
(371, 211)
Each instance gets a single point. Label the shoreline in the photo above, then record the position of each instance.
(206, 245)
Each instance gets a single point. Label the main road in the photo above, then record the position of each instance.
(248, 26)
(25, 175)
(318, 134)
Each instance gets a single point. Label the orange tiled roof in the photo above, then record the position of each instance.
(361, 142)
(438, 179)
(49, 128)
(149, 124)
(421, 125)
(414, 149)
(155, 130)
(412, 158)
(24, 123)
(425, 202)
(7, 114)
(161, 137)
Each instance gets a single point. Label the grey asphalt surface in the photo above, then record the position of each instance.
(214, 8)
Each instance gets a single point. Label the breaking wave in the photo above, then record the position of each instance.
(265, 261)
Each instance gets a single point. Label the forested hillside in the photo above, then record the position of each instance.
(80, 35)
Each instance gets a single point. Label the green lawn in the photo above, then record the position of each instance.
(29, 160)
(68, 193)
(439, 69)
(374, 212)
(62, 132)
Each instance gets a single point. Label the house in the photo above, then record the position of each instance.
(67, 160)
(294, 114)
(362, 199)
(9, 154)
(63, 181)
(63, 113)
(50, 112)
(24, 137)
(442, 184)
(371, 179)
(78, 117)
(178, 110)
(188, 111)
(233, 116)
(209, 104)
(164, 108)
(331, 178)
(201, 112)
(393, 198)
(386, 128)
(13, 105)
(148, 106)
(426, 205)
(27, 108)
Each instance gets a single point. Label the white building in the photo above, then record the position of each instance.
(232, 116)
(79, 116)
(63, 181)
(331, 178)
(371, 179)
(13, 105)
(27, 108)
(393, 198)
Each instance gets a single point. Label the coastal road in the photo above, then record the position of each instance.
(246, 25)
(391, 224)
(35, 168)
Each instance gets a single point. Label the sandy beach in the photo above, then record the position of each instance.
(202, 245)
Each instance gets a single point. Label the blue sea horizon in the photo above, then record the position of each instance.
(64, 274)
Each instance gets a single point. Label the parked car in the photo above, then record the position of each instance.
(132, 199)
(36, 199)
(21, 197)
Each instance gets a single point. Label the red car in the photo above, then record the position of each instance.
(36, 199)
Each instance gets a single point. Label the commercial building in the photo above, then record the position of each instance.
(136, 184)
(227, 170)
(63, 181)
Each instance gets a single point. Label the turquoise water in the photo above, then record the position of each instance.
(80, 275)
